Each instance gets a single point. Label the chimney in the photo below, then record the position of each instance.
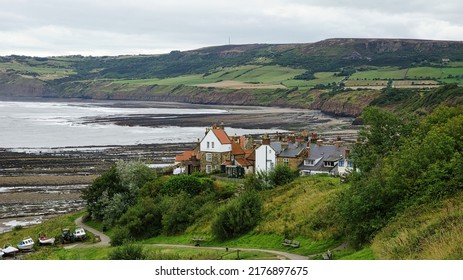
(222, 126)
(339, 142)
(207, 130)
(236, 139)
(214, 126)
(284, 144)
(319, 142)
(265, 139)
(292, 138)
(300, 139)
(346, 153)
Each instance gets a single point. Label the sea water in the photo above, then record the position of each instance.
(66, 124)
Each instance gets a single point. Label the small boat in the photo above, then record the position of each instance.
(46, 240)
(80, 234)
(9, 250)
(26, 244)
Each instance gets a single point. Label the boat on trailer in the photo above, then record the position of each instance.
(44, 240)
(9, 250)
(26, 244)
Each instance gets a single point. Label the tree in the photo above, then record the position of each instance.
(111, 194)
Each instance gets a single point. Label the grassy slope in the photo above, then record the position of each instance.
(301, 211)
(424, 232)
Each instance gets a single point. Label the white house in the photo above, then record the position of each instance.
(266, 155)
(215, 149)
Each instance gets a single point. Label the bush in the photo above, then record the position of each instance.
(238, 216)
(282, 174)
(191, 185)
(128, 251)
(143, 219)
(121, 235)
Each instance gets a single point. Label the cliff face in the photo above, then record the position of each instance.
(12, 85)
(343, 104)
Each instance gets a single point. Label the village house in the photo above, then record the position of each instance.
(330, 159)
(215, 149)
(239, 155)
(266, 155)
(241, 160)
(189, 160)
(293, 151)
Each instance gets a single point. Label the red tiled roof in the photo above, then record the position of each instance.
(222, 136)
(250, 155)
(237, 150)
(186, 155)
(243, 162)
(227, 163)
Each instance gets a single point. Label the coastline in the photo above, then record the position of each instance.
(50, 179)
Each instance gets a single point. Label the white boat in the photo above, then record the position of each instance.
(46, 240)
(9, 250)
(26, 244)
(80, 234)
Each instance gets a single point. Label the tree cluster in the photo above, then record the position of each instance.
(402, 164)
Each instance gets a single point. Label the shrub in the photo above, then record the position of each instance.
(238, 216)
(191, 185)
(121, 235)
(281, 175)
(128, 251)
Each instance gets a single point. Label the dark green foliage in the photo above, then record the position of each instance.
(307, 75)
(142, 219)
(238, 216)
(282, 174)
(191, 185)
(112, 193)
(128, 251)
(178, 213)
(121, 236)
(381, 136)
(254, 183)
(390, 96)
(422, 167)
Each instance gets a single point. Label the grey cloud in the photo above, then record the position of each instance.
(143, 26)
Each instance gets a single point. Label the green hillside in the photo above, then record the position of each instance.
(292, 75)
(403, 202)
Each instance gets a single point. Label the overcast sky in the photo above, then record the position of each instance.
(114, 27)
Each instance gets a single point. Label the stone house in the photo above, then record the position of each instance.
(215, 149)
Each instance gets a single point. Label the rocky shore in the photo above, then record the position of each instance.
(47, 181)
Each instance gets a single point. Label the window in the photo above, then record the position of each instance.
(329, 164)
(208, 144)
(208, 157)
(341, 163)
(208, 168)
(286, 161)
(308, 162)
(212, 143)
(349, 164)
(272, 165)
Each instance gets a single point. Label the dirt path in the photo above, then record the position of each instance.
(105, 241)
(282, 255)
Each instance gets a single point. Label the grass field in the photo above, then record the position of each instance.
(244, 77)
(381, 73)
(46, 70)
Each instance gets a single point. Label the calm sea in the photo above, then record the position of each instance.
(60, 124)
